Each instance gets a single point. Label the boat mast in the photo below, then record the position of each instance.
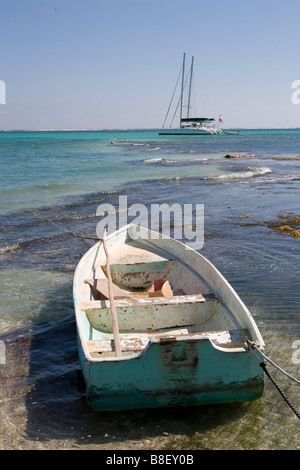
(182, 86)
(191, 77)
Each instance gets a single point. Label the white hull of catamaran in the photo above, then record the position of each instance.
(190, 131)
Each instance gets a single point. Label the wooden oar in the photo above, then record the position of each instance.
(112, 301)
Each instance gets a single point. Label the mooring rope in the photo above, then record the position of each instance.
(252, 346)
(263, 366)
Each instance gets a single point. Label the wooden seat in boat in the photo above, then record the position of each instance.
(150, 314)
(100, 289)
(130, 301)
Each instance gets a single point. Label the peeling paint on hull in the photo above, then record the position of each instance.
(174, 375)
(112, 401)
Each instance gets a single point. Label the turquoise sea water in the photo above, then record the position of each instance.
(42, 168)
(51, 184)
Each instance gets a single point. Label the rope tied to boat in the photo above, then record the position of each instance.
(253, 348)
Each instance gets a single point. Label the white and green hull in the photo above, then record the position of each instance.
(189, 349)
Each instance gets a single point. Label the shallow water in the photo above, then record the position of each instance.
(51, 186)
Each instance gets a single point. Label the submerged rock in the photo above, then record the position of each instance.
(239, 155)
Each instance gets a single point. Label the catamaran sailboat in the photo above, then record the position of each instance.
(189, 125)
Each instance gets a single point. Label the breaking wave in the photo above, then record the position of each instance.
(253, 173)
(250, 173)
(175, 162)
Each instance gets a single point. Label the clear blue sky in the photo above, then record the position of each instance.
(114, 63)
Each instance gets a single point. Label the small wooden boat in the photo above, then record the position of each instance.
(184, 345)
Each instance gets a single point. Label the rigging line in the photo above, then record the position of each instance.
(175, 112)
(190, 88)
(172, 98)
(194, 103)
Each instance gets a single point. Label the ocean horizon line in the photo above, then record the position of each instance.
(138, 129)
